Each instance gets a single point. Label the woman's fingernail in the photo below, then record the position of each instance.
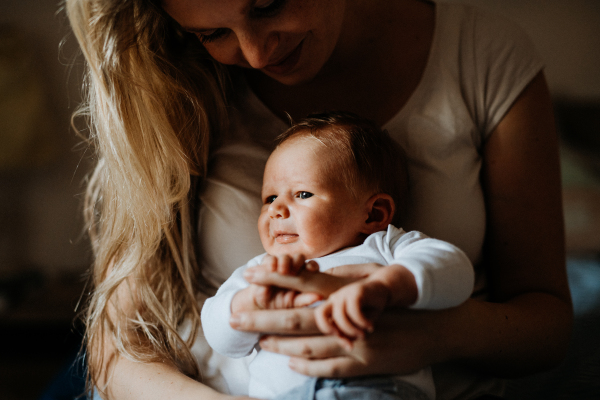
(248, 274)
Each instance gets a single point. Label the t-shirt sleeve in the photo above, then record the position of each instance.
(443, 273)
(216, 313)
(504, 62)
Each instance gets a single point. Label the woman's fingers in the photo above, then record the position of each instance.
(334, 367)
(356, 271)
(305, 281)
(310, 347)
(295, 321)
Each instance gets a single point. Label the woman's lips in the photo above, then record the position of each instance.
(287, 64)
(286, 238)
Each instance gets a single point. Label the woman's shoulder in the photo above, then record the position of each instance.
(479, 25)
(491, 57)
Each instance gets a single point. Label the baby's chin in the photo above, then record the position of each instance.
(289, 250)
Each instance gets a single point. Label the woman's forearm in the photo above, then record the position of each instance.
(137, 380)
(524, 335)
(119, 377)
(146, 381)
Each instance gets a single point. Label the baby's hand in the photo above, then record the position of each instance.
(261, 297)
(284, 265)
(350, 311)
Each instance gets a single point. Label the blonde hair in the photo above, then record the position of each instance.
(154, 102)
(362, 155)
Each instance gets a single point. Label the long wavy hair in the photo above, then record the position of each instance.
(154, 102)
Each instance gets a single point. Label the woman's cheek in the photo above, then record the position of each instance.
(226, 51)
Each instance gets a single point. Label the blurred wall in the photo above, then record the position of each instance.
(567, 34)
(40, 224)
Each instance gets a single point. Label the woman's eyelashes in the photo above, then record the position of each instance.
(262, 8)
(267, 8)
(212, 35)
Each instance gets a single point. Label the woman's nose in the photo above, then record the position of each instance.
(278, 209)
(258, 46)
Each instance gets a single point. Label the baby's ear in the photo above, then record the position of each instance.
(381, 210)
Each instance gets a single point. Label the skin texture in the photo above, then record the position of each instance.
(526, 328)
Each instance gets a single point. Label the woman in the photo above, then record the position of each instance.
(460, 91)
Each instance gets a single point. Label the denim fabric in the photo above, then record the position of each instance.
(367, 388)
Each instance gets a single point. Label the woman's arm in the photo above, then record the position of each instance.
(127, 379)
(525, 244)
(119, 377)
(526, 325)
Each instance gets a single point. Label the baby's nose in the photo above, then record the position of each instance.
(278, 209)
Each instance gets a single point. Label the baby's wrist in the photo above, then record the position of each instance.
(380, 286)
(399, 283)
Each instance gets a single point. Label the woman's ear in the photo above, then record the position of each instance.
(381, 210)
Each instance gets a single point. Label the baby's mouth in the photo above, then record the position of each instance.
(285, 238)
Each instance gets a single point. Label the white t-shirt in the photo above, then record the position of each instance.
(478, 65)
(444, 277)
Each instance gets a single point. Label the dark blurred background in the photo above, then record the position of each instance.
(44, 255)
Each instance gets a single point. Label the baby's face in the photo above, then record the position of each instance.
(306, 210)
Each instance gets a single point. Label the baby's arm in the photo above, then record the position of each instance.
(423, 273)
(351, 310)
(216, 313)
(236, 295)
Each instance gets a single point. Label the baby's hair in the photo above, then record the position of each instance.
(364, 156)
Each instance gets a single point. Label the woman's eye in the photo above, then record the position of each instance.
(270, 199)
(211, 35)
(267, 7)
(305, 195)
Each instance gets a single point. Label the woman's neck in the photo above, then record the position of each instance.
(376, 66)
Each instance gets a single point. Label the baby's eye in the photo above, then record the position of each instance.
(270, 199)
(305, 195)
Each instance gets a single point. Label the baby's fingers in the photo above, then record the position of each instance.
(343, 323)
(306, 299)
(357, 316)
(269, 263)
(323, 318)
(262, 296)
(289, 264)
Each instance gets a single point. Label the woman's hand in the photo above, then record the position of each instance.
(383, 351)
(403, 341)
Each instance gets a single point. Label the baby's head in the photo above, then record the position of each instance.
(333, 179)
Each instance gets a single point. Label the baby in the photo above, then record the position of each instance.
(332, 192)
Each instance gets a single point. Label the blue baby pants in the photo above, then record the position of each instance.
(362, 388)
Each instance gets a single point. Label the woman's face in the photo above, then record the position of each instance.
(288, 40)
